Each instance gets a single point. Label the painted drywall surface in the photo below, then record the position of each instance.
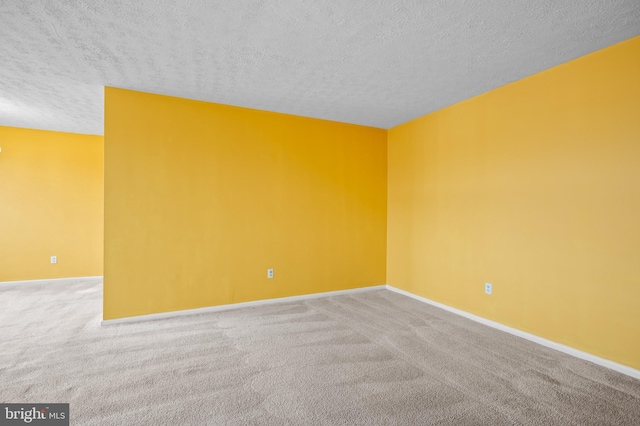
(51, 204)
(201, 199)
(535, 188)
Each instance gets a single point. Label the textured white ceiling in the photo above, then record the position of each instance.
(372, 62)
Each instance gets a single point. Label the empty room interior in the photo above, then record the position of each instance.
(320, 213)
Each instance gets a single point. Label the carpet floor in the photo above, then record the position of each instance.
(373, 358)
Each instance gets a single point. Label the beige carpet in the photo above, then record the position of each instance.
(371, 358)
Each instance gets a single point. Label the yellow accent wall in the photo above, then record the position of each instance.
(51, 204)
(201, 199)
(535, 188)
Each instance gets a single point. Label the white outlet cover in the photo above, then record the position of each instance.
(54, 259)
(488, 288)
(269, 273)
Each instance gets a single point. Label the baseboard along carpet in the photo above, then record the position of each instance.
(372, 358)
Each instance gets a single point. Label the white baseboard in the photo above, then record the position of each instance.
(220, 308)
(532, 337)
(55, 280)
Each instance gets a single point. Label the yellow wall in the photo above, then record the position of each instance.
(201, 198)
(50, 204)
(534, 187)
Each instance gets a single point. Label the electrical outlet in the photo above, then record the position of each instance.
(488, 288)
(54, 259)
(270, 273)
